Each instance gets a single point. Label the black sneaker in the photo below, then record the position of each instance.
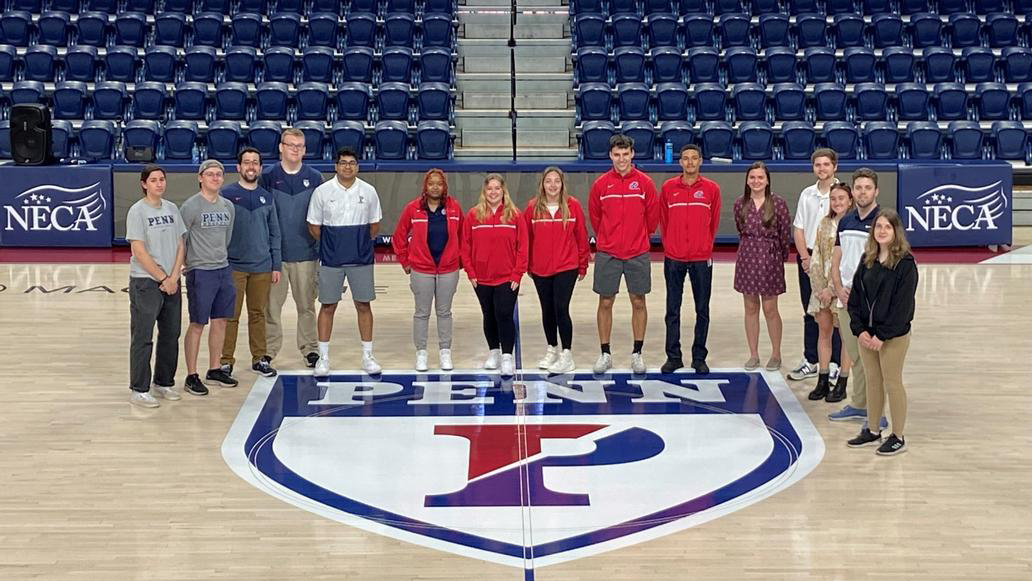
(219, 377)
(700, 367)
(193, 385)
(671, 365)
(262, 367)
(311, 359)
(892, 446)
(865, 438)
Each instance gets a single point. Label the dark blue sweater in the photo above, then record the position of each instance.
(255, 244)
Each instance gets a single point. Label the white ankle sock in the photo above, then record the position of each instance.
(367, 347)
(324, 349)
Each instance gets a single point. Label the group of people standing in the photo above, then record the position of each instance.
(285, 228)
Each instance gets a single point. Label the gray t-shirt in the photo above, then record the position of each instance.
(209, 227)
(160, 230)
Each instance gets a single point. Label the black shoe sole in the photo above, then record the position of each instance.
(877, 442)
(894, 453)
(197, 393)
(272, 373)
(833, 397)
(816, 396)
(216, 383)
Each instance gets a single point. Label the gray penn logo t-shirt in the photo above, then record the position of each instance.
(209, 227)
(160, 230)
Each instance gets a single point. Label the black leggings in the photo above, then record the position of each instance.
(555, 293)
(497, 304)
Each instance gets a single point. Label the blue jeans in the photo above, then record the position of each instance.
(700, 275)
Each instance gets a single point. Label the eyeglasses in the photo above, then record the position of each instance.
(212, 174)
(348, 163)
(294, 146)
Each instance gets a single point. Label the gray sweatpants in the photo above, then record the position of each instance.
(433, 290)
(147, 306)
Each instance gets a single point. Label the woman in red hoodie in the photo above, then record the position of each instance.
(427, 241)
(494, 254)
(558, 259)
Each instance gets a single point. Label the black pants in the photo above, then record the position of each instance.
(700, 275)
(497, 304)
(555, 293)
(812, 331)
(147, 306)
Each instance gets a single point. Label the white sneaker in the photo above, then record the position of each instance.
(421, 364)
(551, 354)
(603, 364)
(446, 362)
(168, 393)
(322, 367)
(494, 358)
(508, 368)
(564, 364)
(805, 370)
(370, 366)
(833, 372)
(638, 363)
(143, 399)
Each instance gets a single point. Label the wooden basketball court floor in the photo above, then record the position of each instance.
(94, 488)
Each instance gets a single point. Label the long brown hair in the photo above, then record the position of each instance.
(844, 188)
(768, 198)
(898, 248)
(426, 179)
(541, 201)
(509, 210)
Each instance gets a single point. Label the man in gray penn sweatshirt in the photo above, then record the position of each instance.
(254, 256)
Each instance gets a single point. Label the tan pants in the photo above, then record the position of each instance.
(858, 383)
(255, 287)
(302, 278)
(885, 376)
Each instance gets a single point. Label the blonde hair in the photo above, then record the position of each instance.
(292, 132)
(898, 248)
(541, 201)
(509, 210)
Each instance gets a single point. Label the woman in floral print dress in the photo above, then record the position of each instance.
(764, 233)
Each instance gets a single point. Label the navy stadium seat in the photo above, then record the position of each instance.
(595, 139)
(589, 30)
(207, 29)
(913, 6)
(596, 102)
(1010, 140)
(802, 6)
(350, 134)
(8, 62)
(1017, 64)
(662, 30)
(666, 65)
(70, 100)
(93, 28)
(141, 133)
(833, 7)
(993, 101)
(396, 65)
(223, 6)
(433, 102)
(34, 6)
(692, 6)
(130, 29)
(264, 136)
(966, 140)
(780, 63)
(951, 6)
(438, 6)
(798, 140)
(399, 29)
(671, 102)
(401, 6)
(223, 138)
(829, 102)
(200, 64)
(881, 140)
(69, 6)
(180, 138)
(246, 30)
(81, 63)
(27, 92)
(587, 7)
(435, 65)
(811, 31)
(710, 101)
(60, 139)
(644, 137)
(756, 139)
(911, 102)
(964, 29)
(629, 64)
(626, 30)
(16, 28)
(231, 101)
(390, 140)
(774, 30)
(925, 30)
(5, 139)
(820, 65)
(353, 101)
(149, 101)
(240, 64)
(314, 132)
(144, 6)
(727, 6)
(53, 27)
(859, 64)
(898, 64)
(295, 6)
(437, 31)
(872, 102)
(677, 134)
(886, 30)
(950, 101)
(979, 64)
(842, 137)
(1001, 30)
(741, 64)
(357, 64)
(285, 29)
(120, 63)
(704, 65)
(633, 101)
(278, 64)
(433, 140)
(317, 64)
(698, 30)
(323, 29)
(734, 30)
(333, 5)
(750, 102)
(659, 6)
(765, 6)
(849, 30)
(939, 65)
(990, 6)
(312, 101)
(40, 61)
(789, 102)
(159, 64)
(109, 100)
(170, 29)
(97, 140)
(717, 139)
(1024, 100)
(392, 101)
(271, 100)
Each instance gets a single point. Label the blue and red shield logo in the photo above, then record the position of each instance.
(528, 472)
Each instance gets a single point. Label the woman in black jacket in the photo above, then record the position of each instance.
(881, 307)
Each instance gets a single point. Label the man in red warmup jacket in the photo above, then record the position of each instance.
(689, 216)
(624, 210)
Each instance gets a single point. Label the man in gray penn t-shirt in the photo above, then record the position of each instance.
(209, 228)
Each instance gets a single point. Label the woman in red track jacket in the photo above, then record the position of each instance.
(426, 241)
(494, 254)
(558, 259)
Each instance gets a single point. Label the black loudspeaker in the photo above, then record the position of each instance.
(30, 134)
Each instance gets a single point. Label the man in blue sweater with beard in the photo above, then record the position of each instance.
(254, 255)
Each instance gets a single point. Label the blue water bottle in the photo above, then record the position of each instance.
(668, 152)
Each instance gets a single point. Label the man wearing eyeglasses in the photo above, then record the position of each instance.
(344, 216)
(291, 184)
(208, 218)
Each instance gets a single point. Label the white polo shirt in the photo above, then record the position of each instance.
(812, 206)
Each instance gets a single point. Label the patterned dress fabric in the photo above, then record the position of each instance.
(820, 261)
(762, 251)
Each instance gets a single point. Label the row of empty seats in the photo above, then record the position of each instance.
(187, 141)
(231, 7)
(996, 30)
(238, 64)
(814, 65)
(790, 101)
(831, 7)
(796, 140)
(20, 28)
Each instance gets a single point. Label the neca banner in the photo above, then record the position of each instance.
(56, 206)
(955, 204)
